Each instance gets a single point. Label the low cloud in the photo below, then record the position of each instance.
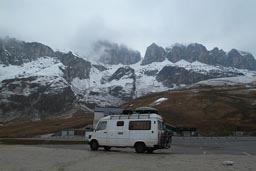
(76, 25)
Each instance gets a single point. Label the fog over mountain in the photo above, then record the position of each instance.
(75, 25)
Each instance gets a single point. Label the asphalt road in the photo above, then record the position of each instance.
(186, 154)
(214, 145)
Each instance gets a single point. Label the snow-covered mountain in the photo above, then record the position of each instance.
(36, 82)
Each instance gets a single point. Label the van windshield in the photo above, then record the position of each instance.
(102, 125)
(160, 125)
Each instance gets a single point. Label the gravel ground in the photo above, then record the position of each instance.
(80, 158)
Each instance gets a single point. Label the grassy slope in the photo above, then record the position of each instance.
(214, 111)
(30, 129)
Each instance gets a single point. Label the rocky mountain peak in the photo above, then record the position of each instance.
(190, 53)
(17, 52)
(114, 54)
(154, 53)
(242, 60)
(176, 53)
(197, 52)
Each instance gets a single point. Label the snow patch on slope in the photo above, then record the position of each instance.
(44, 66)
(159, 101)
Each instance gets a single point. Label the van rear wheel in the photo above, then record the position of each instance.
(140, 147)
(94, 145)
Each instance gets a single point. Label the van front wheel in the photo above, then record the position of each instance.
(140, 147)
(94, 145)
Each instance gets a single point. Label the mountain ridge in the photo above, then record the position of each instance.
(197, 52)
(95, 83)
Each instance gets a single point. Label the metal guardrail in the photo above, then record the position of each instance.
(210, 140)
(54, 138)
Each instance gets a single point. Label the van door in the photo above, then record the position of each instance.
(101, 132)
(116, 134)
(121, 133)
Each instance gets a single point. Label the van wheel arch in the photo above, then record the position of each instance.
(140, 147)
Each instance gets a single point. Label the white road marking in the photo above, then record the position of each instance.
(245, 153)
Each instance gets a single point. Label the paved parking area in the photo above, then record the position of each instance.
(214, 145)
(195, 145)
(80, 158)
(186, 154)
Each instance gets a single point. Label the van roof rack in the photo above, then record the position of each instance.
(132, 116)
(146, 110)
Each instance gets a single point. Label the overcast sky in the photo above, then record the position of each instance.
(75, 24)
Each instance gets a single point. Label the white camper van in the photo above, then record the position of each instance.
(144, 132)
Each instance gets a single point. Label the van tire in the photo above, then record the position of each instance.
(140, 147)
(94, 145)
(107, 148)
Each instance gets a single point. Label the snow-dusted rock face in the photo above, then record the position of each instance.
(126, 92)
(74, 66)
(171, 75)
(34, 97)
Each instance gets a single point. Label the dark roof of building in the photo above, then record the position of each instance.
(108, 110)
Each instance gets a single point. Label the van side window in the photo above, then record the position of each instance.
(139, 125)
(102, 125)
(120, 123)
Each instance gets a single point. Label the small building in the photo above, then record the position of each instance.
(68, 132)
(186, 131)
(170, 127)
(75, 131)
(238, 133)
(79, 132)
(100, 112)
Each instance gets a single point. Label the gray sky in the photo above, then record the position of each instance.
(75, 24)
